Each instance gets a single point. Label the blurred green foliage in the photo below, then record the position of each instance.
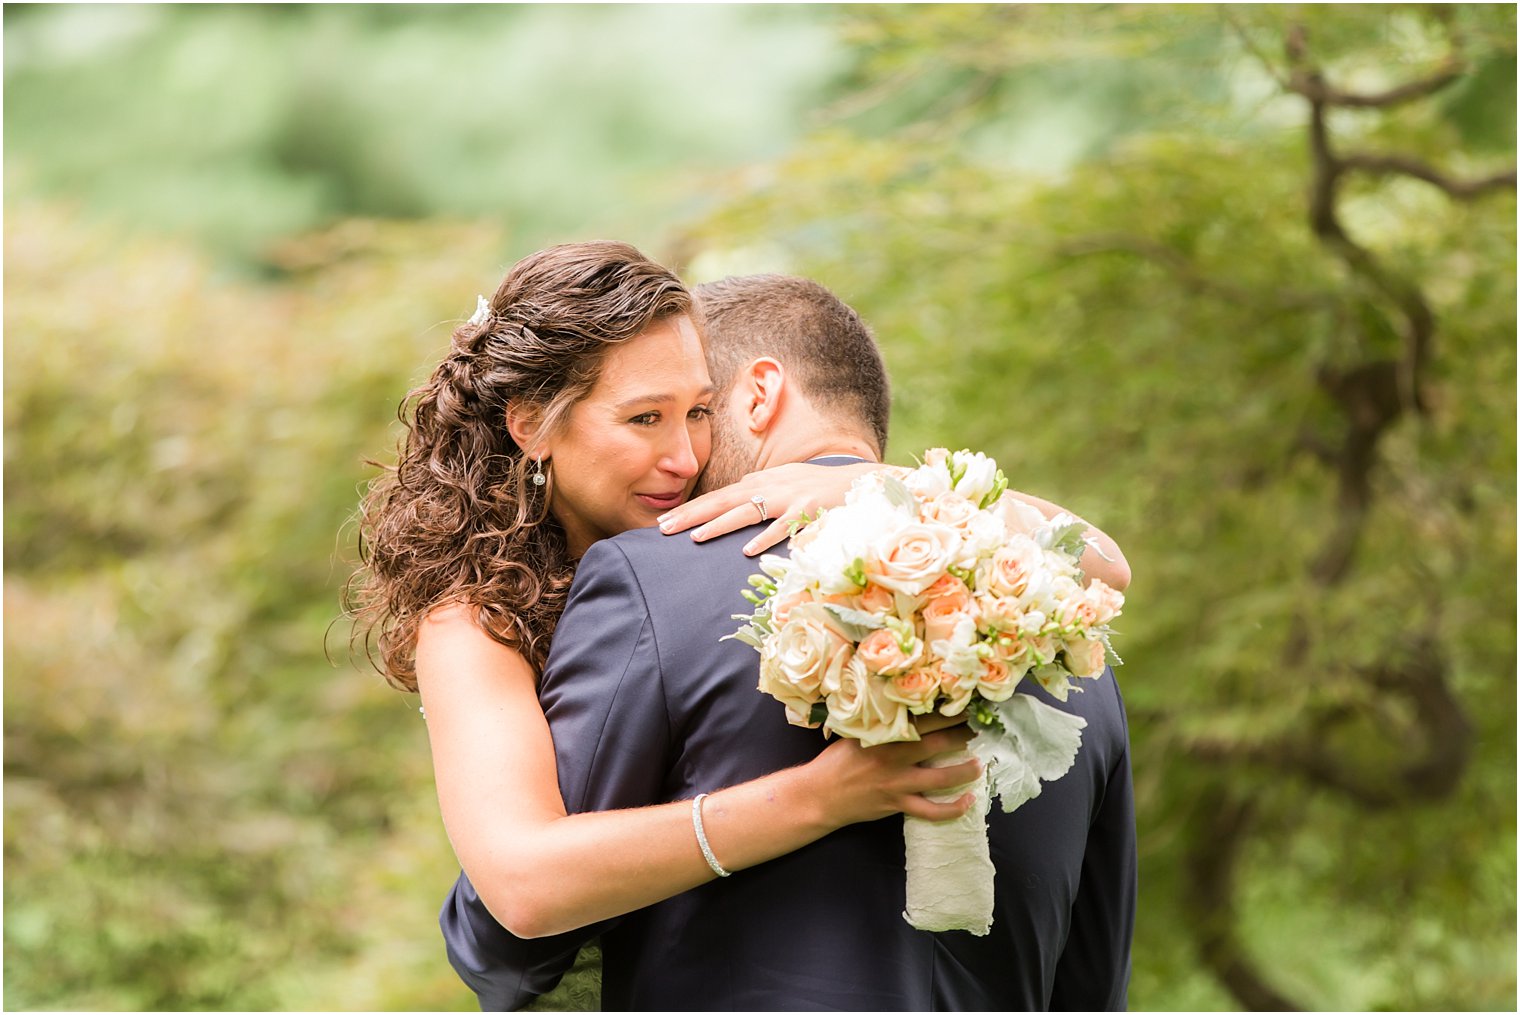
(238, 125)
(1082, 237)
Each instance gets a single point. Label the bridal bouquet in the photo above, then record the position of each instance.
(935, 590)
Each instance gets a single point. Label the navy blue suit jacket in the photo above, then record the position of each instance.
(646, 706)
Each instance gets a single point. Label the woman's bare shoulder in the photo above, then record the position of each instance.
(450, 637)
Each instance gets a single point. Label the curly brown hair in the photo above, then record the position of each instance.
(458, 520)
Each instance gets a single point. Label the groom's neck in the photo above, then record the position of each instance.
(804, 449)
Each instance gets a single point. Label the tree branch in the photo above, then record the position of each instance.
(1213, 854)
(1315, 88)
(1188, 273)
(1461, 190)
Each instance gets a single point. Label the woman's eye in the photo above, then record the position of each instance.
(646, 419)
(700, 412)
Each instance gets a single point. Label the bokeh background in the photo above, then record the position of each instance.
(1236, 282)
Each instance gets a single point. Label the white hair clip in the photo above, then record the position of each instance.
(482, 311)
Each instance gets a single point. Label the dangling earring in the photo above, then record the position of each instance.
(539, 479)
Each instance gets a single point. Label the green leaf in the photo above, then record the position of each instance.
(857, 624)
(898, 494)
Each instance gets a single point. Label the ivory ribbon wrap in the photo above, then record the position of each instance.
(949, 869)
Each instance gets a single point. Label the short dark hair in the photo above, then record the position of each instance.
(824, 345)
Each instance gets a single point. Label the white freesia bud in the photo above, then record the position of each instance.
(960, 652)
(978, 474)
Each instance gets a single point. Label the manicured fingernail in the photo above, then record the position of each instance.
(664, 522)
(750, 549)
(699, 534)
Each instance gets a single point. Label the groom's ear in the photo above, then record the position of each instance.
(764, 387)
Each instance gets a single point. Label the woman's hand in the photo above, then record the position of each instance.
(790, 491)
(865, 783)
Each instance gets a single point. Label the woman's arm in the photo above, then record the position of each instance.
(796, 490)
(541, 872)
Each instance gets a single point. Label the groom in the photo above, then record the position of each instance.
(646, 705)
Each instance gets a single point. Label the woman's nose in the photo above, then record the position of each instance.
(681, 457)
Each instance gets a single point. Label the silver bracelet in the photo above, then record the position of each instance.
(707, 853)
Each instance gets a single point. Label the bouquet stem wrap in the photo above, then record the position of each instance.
(949, 870)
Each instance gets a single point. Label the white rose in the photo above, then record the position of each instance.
(983, 533)
(912, 558)
(860, 709)
(932, 478)
(842, 539)
(1018, 516)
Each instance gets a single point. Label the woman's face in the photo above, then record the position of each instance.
(631, 449)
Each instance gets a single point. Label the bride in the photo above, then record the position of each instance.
(574, 405)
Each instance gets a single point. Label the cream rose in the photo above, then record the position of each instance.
(805, 646)
(1085, 657)
(861, 710)
(949, 509)
(774, 683)
(1000, 613)
(912, 558)
(1014, 566)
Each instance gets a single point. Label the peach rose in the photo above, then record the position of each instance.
(912, 558)
(782, 606)
(1107, 602)
(876, 599)
(998, 681)
(1075, 611)
(940, 619)
(882, 651)
(916, 688)
(951, 588)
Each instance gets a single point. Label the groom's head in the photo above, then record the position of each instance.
(790, 361)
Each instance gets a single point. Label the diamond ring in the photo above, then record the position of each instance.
(759, 503)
